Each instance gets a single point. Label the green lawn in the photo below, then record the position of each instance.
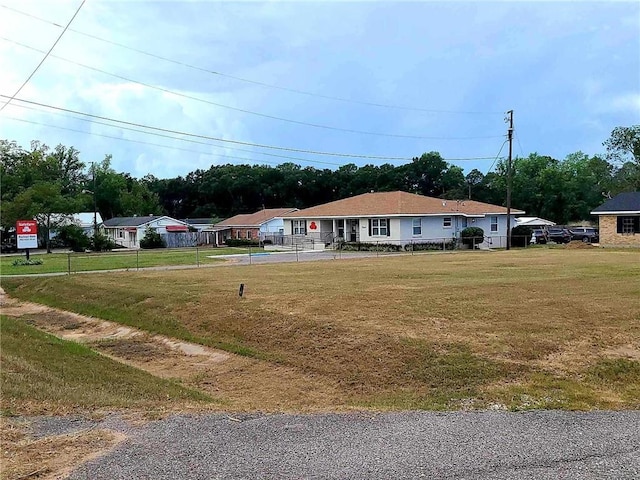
(119, 259)
(44, 374)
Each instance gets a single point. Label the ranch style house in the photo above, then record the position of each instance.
(398, 218)
(128, 231)
(251, 226)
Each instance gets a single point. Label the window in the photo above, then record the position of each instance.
(248, 234)
(446, 222)
(494, 224)
(417, 226)
(299, 227)
(628, 225)
(379, 227)
(238, 234)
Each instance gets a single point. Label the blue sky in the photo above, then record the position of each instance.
(569, 70)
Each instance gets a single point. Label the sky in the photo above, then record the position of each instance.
(369, 82)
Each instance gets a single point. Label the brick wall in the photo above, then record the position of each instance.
(609, 236)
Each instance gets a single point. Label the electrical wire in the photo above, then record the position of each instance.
(43, 58)
(237, 142)
(254, 82)
(242, 110)
(190, 140)
(497, 156)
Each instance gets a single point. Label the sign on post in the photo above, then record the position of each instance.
(27, 233)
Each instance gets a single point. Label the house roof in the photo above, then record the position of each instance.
(399, 204)
(136, 221)
(534, 221)
(254, 219)
(200, 221)
(83, 219)
(626, 202)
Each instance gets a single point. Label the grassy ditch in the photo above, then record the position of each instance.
(535, 328)
(44, 374)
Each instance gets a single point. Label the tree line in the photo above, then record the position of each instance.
(42, 181)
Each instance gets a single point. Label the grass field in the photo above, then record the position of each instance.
(119, 259)
(535, 328)
(43, 374)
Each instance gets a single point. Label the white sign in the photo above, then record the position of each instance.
(28, 241)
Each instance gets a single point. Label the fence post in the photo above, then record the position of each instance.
(69, 263)
(411, 247)
(296, 252)
(197, 257)
(377, 248)
(249, 254)
(137, 260)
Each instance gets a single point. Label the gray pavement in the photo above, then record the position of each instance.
(460, 445)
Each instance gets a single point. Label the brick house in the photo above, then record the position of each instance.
(619, 220)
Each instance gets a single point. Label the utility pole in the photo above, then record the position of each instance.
(95, 208)
(509, 175)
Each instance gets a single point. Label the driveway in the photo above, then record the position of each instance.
(364, 445)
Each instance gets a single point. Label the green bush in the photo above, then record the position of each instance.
(74, 237)
(152, 239)
(370, 247)
(19, 262)
(472, 235)
(521, 236)
(101, 243)
(435, 245)
(241, 242)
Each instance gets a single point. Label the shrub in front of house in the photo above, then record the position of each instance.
(20, 262)
(521, 236)
(472, 236)
(101, 243)
(241, 242)
(370, 247)
(152, 239)
(74, 237)
(434, 246)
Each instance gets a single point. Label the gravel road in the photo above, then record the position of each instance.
(462, 445)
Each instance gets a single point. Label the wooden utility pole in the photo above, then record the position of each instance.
(510, 137)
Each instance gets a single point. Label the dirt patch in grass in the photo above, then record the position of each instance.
(25, 457)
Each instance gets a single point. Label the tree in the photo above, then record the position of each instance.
(624, 147)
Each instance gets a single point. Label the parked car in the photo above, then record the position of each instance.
(558, 235)
(586, 234)
(8, 246)
(539, 236)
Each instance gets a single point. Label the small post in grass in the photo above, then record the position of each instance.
(241, 290)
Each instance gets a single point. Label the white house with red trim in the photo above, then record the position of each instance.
(128, 231)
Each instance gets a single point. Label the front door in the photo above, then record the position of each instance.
(353, 232)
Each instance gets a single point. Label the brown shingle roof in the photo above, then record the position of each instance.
(398, 203)
(254, 219)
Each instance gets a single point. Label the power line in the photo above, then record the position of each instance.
(192, 141)
(206, 137)
(170, 146)
(43, 58)
(254, 82)
(242, 110)
(497, 156)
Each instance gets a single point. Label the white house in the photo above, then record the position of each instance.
(128, 231)
(252, 226)
(399, 218)
(84, 220)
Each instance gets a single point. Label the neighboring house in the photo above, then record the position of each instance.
(252, 226)
(398, 217)
(200, 224)
(128, 231)
(534, 222)
(619, 220)
(84, 220)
